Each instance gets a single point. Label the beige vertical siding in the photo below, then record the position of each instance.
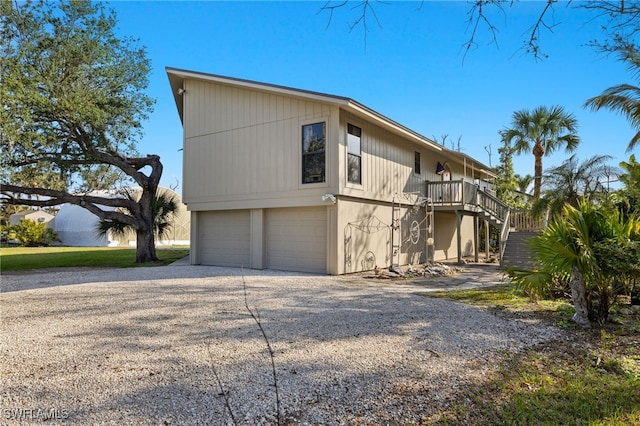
(446, 242)
(364, 230)
(446, 245)
(364, 235)
(242, 160)
(242, 143)
(467, 231)
(387, 162)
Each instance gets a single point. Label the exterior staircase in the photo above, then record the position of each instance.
(516, 226)
(517, 252)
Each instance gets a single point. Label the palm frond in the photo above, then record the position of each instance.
(534, 284)
(623, 99)
(164, 208)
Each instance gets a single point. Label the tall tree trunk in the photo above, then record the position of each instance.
(579, 298)
(145, 235)
(141, 213)
(145, 247)
(538, 152)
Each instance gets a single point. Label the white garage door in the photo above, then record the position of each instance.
(223, 238)
(296, 239)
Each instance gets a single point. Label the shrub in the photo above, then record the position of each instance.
(32, 234)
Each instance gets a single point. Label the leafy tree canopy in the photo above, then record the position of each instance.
(73, 102)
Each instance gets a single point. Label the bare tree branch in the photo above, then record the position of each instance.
(533, 44)
(476, 17)
(622, 14)
(331, 9)
(366, 8)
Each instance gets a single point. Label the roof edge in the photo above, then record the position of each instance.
(178, 75)
(182, 73)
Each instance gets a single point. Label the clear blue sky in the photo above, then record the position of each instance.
(410, 69)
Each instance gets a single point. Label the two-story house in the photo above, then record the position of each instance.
(290, 179)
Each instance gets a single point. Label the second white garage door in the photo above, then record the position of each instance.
(296, 239)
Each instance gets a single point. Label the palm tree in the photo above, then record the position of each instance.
(572, 245)
(571, 182)
(630, 178)
(522, 193)
(624, 99)
(523, 182)
(541, 132)
(164, 207)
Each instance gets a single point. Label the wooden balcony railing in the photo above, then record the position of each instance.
(451, 193)
(524, 220)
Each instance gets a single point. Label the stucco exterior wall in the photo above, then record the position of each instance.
(446, 241)
(366, 235)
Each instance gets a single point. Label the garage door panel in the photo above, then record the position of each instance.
(296, 239)
(224, 238)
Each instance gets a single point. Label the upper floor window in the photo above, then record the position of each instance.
(313, 152)
(354, 154)
(416, 168)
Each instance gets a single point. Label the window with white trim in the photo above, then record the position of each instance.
(416, 167)
(354, 154)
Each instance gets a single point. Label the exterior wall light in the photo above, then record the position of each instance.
(329, 197)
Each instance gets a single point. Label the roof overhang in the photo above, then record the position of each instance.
(178, 76)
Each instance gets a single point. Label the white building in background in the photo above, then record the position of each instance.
(38, 216)
(77, 226)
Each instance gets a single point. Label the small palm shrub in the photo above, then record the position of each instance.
(593, 248)
(621, 261)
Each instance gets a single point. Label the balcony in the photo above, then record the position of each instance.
(462, 195)
(466, 198)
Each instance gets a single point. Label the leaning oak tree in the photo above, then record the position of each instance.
(72, 103)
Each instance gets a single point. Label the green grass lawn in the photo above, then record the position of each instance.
(594, 380)
(26, 258)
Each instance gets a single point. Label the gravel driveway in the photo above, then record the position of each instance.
(177, 345)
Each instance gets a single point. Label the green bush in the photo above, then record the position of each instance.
(32, 234)
(620, 260)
